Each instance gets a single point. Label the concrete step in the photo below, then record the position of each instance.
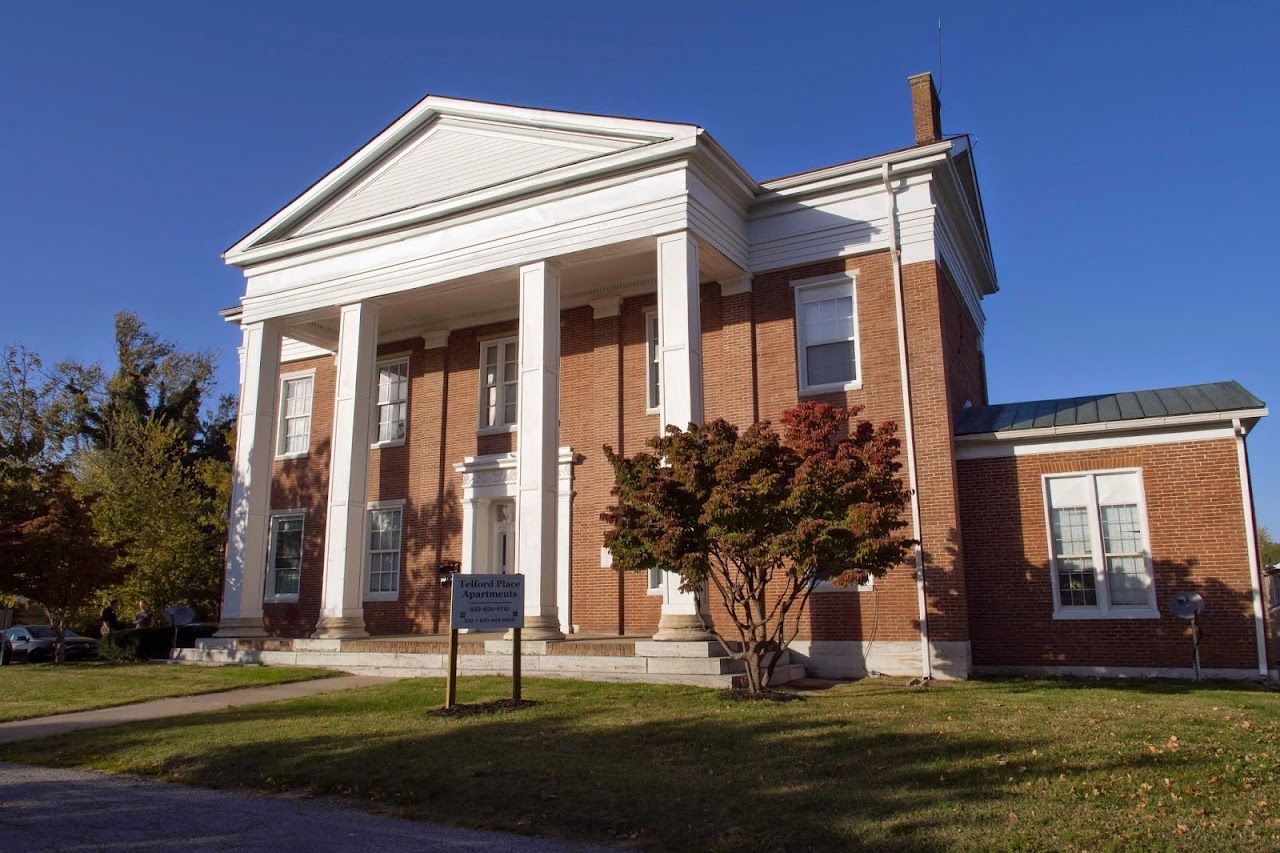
(493, 658)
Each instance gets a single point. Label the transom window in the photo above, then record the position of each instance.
(295, 415)
(654, 361)
(827, 335)
(1098, 546)
(393, 400)
(384, 552)
(284, 562)
(499, 383)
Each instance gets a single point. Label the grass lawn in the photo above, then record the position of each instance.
(1021, 764)
(36, 690)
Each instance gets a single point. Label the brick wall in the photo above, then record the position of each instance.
(303, 483)
(1197, 543)
(749, 354)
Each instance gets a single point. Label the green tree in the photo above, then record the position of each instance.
(761, 518)
(162, 513)
(1269, 547)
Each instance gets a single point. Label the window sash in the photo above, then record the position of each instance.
(295, 415)
(285, 558)
(393, 400)
(1098, 543)
(655, 579)
(384, 545)
(653, 360)
(499, 383)
(826, 323)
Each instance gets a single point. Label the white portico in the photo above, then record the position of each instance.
(459, 213)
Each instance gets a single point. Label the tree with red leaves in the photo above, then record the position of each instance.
(762, 518)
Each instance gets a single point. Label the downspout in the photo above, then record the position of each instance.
(1251, 541)
(926, 656)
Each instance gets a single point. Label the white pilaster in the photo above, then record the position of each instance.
(341, 604)
(564, 544)
(538, 447)
(680, 342)
(244, 580)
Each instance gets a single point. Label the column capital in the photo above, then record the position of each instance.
(549, 264)
(435, 338)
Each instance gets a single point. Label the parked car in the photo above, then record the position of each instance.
(36, 643)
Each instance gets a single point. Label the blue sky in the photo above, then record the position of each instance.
(1126, 151)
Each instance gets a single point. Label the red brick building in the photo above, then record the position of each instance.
(419, 321)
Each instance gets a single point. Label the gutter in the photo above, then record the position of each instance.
(926, 656)
(1251, 541)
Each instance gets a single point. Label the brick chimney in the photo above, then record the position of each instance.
(926, 111)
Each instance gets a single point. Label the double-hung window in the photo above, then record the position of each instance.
(383, 577)
(284, 557)
(393, 401)
(295, 414)
(499, 384)
(653, 356)
(1098, 546)
(827, 334)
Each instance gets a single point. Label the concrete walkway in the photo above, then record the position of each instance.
(64, 810)
(178, 706)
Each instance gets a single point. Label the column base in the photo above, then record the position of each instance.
(340, 628)
(248, 627)
(539, 628)
(682, 628)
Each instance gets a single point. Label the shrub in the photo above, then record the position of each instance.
(142, 644)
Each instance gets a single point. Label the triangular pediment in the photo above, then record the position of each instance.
(453, 157)
(446, 150)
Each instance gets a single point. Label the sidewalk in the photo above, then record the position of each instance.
(74, 810)
(178, 706)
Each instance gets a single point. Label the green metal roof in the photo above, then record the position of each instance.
(1209, 398)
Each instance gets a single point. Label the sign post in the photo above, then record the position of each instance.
(485, 603)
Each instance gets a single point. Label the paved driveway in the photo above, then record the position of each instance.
(70, 810)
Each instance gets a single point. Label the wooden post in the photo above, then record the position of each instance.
(515, 664)
(451, 684)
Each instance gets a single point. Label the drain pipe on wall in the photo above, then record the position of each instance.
(926, 656)
(1251, 542)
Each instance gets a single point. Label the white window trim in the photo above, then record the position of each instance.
(1104, 609)
(802, 286)
(280, 414)
(401, 358)
(653, 361)
(268, 597)
(498, 429)
(370, 508)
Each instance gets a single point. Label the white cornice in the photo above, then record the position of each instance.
(856, 171)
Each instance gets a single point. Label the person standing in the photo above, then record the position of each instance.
(143, 618)
(110, 621)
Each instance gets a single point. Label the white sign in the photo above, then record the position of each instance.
(487, 602)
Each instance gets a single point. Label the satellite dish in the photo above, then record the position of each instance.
(179, 614)
(1188, 605)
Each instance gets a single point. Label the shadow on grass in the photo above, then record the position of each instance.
(676, 769)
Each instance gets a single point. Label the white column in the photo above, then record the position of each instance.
(243, 582)
(341, 603)
(680, 341)
(538, 444)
